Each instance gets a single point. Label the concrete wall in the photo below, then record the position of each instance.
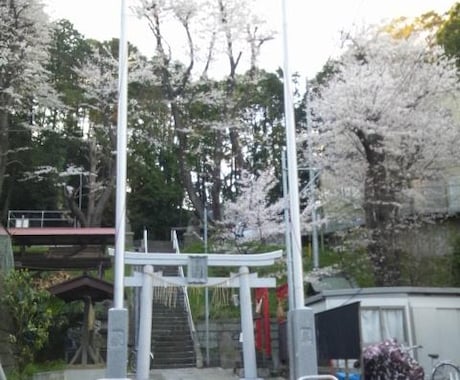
(431, 239)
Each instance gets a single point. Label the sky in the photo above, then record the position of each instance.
(313, 27)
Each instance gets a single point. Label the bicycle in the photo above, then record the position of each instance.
(132, 360)
(444, 369)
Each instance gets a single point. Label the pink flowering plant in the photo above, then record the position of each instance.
(388, 360)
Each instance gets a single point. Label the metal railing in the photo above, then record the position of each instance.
(196, 343)
(40, 219)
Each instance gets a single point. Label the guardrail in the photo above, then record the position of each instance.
(40, 219)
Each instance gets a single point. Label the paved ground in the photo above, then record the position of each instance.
(197, 374)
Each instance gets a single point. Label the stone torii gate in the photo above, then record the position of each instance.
(244, 280)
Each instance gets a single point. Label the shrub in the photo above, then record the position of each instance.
(388, 360)
(32, 312)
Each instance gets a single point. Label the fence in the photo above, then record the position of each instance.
(40, 219)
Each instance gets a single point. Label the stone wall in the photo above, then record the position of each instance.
(225, 348)
(432, 239)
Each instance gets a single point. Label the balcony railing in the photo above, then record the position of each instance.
(40, 219)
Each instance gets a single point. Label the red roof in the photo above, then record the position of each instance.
(84, 286)
(62, 235)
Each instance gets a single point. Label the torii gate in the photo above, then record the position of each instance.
(244, 280)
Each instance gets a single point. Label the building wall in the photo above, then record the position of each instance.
(436, 326)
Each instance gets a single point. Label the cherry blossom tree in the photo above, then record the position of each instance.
(256, 214)
(99, 82)
(384, 122)
(87, 173)
(24, 35)
(203, 112)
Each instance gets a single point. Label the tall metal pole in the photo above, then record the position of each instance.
(146, 241)
(206, 289)
(301, 322)
(312, 175)
(118, 316)
(293, 182)
(287, 232)
(120, 223)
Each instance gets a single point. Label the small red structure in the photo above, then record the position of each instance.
(262, 322)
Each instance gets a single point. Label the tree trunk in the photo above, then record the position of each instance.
(184, 169)
(216, 189)
(381, 215)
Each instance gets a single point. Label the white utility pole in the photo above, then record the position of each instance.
(117, 338)
(312, 179)
(120, 222)
(287, 232)
(293, 181)
(301, 323)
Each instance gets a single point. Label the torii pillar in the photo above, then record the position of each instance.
(247, 326)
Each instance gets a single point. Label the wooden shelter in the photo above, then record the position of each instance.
(89, 290)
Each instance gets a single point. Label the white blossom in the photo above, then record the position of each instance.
(253, 215)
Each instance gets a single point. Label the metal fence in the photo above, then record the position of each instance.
(40, 219)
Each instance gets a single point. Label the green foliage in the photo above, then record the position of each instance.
(416, 270)
(32, 311)
(455, 261)
(449, 33)
(156, 203)
(220, 303)
(32, 368)
(427, 271)
(354, 263)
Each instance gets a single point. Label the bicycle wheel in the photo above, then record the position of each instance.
(446, 371)
(132, 361)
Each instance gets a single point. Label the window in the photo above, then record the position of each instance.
(378, 324)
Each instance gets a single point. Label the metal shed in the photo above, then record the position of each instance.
(424, 316)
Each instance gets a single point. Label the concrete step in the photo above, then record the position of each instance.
(163, 246)
(172, 344)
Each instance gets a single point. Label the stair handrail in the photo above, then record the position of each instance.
(188, 309)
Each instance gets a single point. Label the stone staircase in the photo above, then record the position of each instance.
(172, 343)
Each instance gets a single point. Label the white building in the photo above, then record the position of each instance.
(429, 317)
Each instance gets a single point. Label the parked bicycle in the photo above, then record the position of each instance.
(440, 370)
(132, 360)
(444, 369)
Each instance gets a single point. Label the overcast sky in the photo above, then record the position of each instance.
(313, 26)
